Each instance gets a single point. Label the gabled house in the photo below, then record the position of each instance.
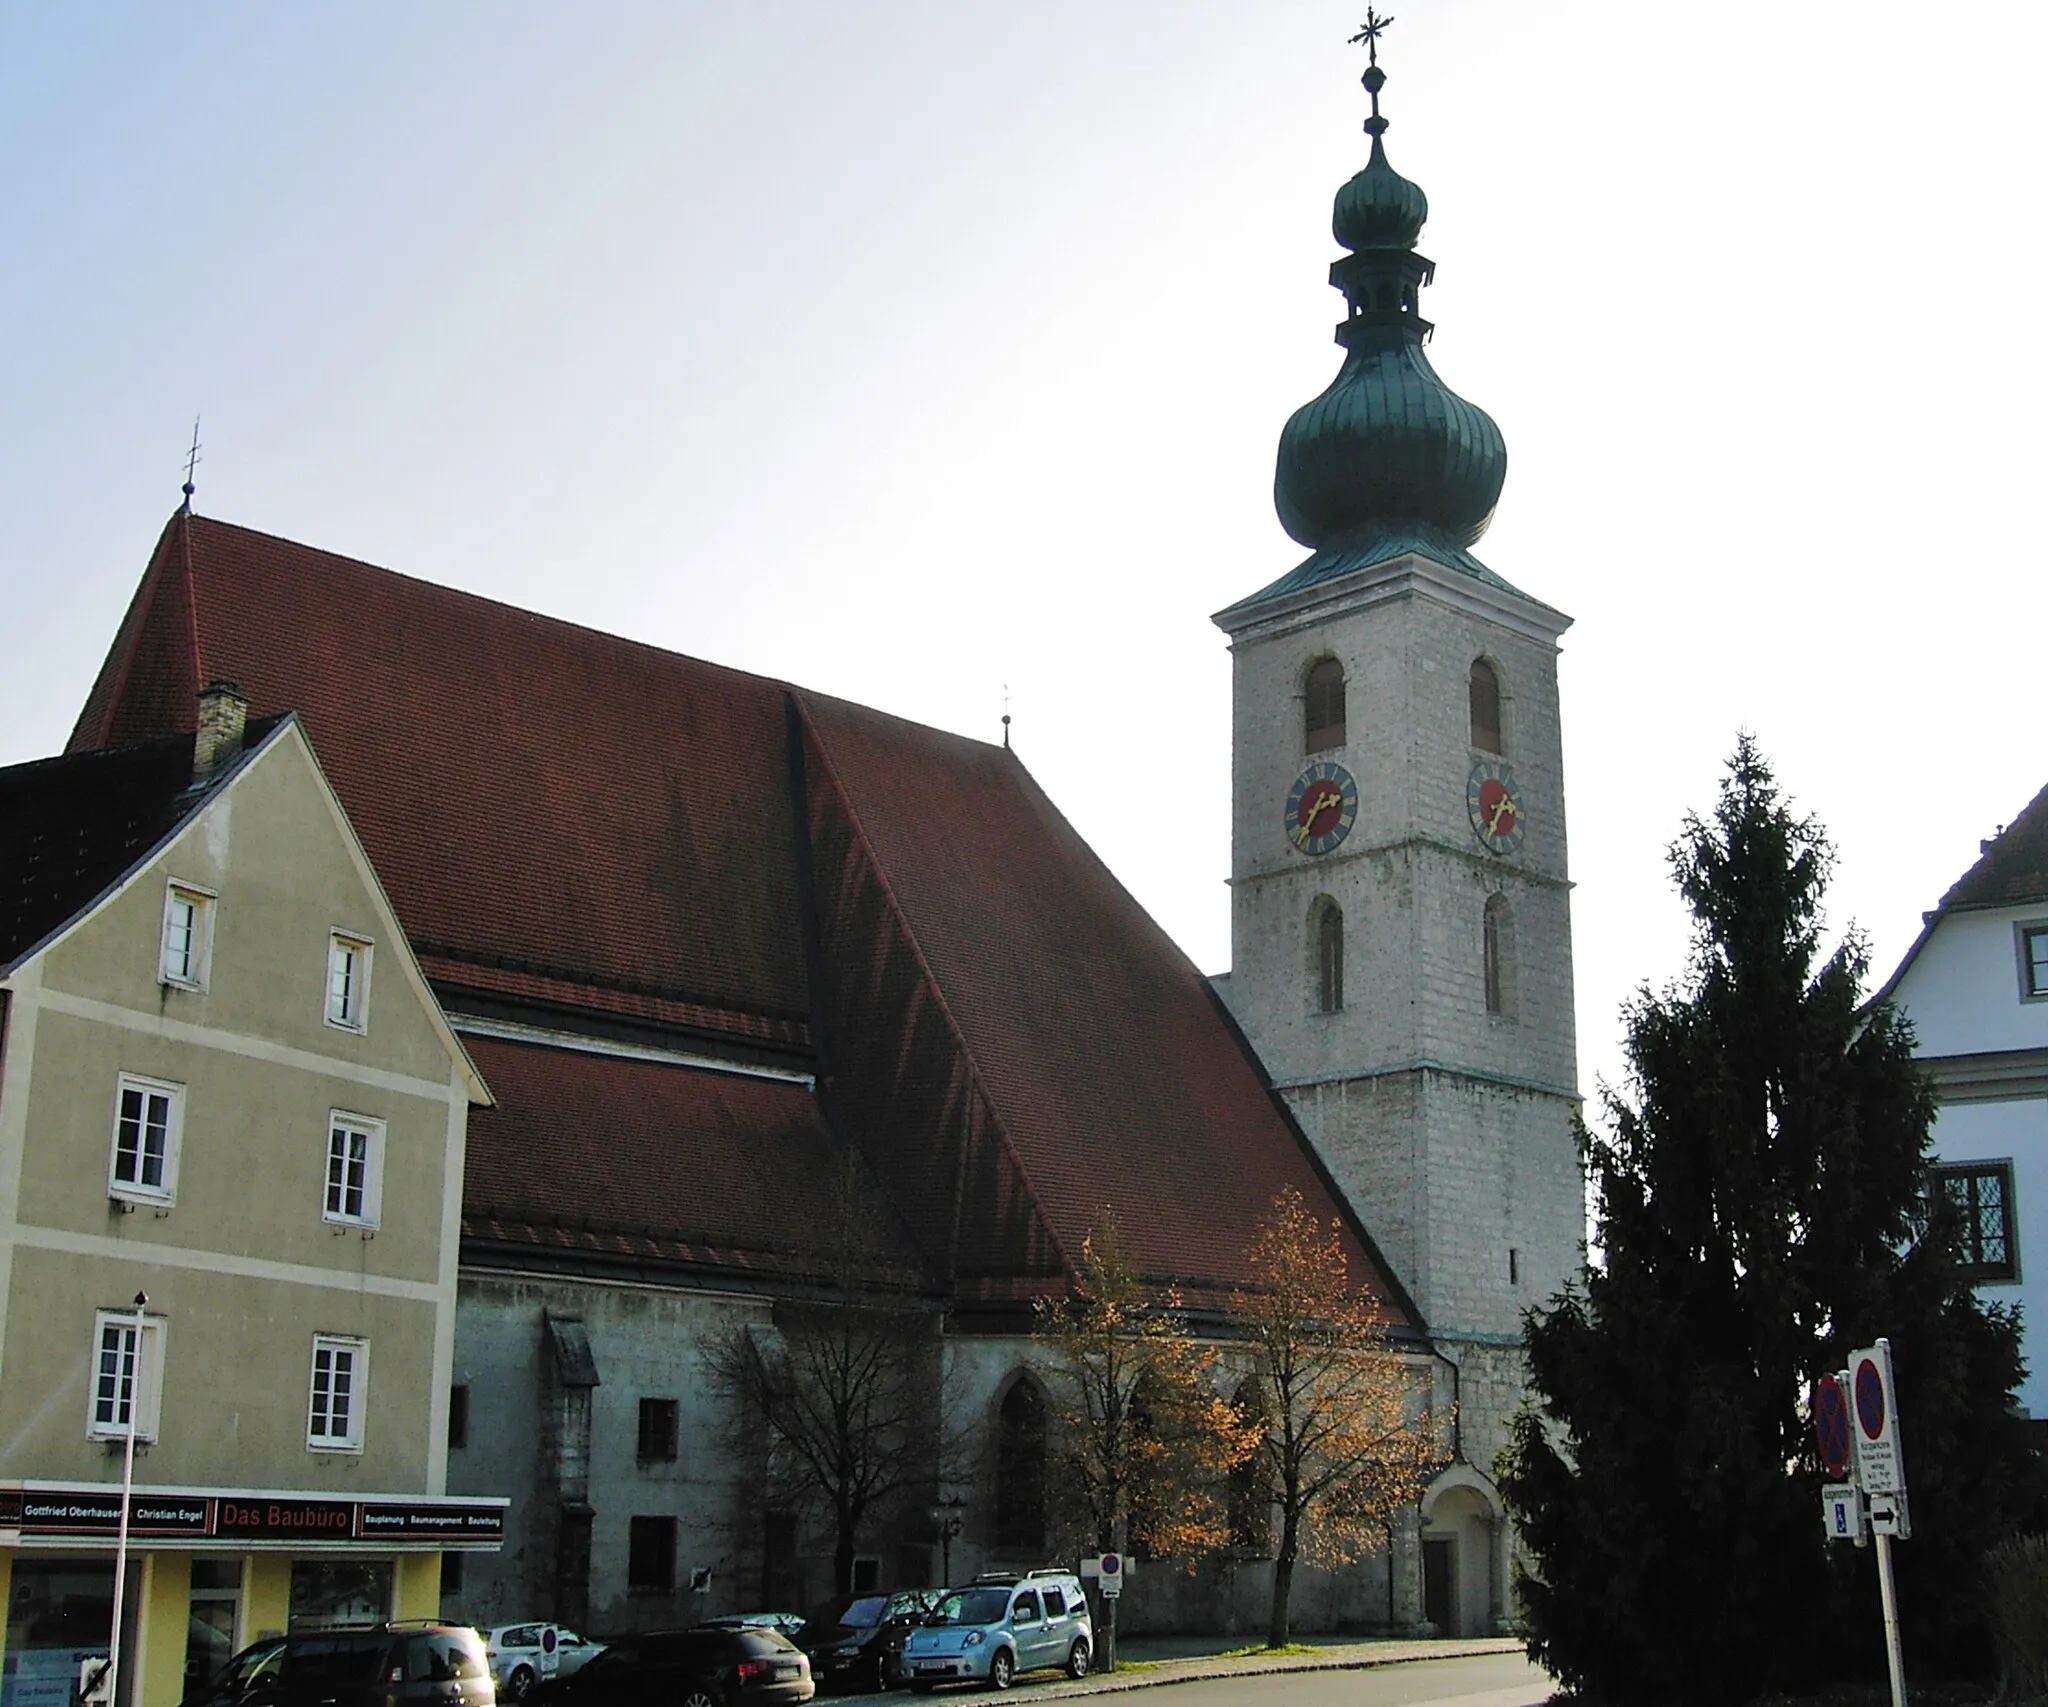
(769, 988)
(1975, 985)
(232, 1132)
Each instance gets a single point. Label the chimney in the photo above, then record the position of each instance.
(222, 713)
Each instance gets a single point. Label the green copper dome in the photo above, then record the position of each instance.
(1388, 449)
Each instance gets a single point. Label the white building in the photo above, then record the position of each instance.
(1975, 985)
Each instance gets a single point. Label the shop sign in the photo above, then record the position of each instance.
(50, 1511)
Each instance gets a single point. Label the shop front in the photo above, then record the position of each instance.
(209, 1571)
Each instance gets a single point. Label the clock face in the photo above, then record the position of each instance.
(1321, 808)
(1495, 805)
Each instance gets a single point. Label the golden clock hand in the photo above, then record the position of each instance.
(1504, 804)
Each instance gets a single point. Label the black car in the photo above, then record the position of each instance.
(705, 1667)
(380, 1665)
(857, 1639)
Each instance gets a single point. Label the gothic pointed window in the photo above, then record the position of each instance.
(1485, 707)
(1329, 958)
(1323, 706)
(1251, 1481)
(1020, 1469)
(1497, 950)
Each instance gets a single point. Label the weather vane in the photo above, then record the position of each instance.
(192, 461)
(1369, 32)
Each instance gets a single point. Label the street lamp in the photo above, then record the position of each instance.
(133, 1383)
(948, 1518)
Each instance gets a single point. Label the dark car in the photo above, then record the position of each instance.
(381, 1665)
(857, 1639)
(705, 1667)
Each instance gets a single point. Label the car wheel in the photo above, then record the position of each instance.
(520, 1684)
(885, 1672)
(699, 1696)
(1077, 1658)
(1000, 1666)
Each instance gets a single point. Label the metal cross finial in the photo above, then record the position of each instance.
(192, 461)
(1370, 32)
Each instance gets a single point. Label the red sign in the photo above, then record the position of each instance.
(1831, 1424)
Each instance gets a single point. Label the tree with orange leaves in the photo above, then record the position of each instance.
(1344, 1437)
(1141, 1439)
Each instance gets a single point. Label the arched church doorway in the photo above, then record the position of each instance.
(1461, 1530)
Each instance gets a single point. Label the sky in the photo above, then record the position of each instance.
(933, 353)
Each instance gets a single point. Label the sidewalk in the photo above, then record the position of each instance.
(1144, 1662)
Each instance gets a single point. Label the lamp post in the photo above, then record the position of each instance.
(133, 1383)
(947, 1519)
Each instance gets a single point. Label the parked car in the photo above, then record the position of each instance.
(997, 1627)
(525, 1654)
(789, 1623)
(858, 1638)
(381, 1665)
(704, 1667)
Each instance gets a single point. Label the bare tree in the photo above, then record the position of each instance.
(844, 1394)
(1341, 1439)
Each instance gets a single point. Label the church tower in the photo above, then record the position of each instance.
(1400, 918)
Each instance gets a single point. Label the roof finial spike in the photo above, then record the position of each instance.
(1006, 717)
(192, 461)
(1374, 79)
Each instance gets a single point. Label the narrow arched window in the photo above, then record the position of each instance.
(1330, 958)
(1251, 1480)
(1497, 950)
(1323, 717)
(1485, 707)
(1020, 1469)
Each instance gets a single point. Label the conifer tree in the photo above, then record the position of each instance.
(1758, 1188)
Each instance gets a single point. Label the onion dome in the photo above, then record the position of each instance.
(1389, 449)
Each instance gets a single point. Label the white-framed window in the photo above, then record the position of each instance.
(341, 1380)
(348, 981)
(149, 1115)
(355, 1169)
(187, 943)
(127, 1375)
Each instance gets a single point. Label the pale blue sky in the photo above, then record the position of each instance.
(916, 348)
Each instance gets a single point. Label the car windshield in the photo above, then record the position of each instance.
(973, 1606)
(861, 1613)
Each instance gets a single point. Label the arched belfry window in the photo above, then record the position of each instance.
(1485, 707)
(1020, 1469)
(1329, 957)
(1323, 706)
(1497, 951)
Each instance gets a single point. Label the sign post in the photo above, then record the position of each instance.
(1881, 1471)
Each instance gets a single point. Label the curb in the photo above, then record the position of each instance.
(1200, 1669)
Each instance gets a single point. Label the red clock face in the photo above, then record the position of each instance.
(1321, 808)
(1497, 807)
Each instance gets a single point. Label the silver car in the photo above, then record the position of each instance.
(995, 1628)
(523, 1655)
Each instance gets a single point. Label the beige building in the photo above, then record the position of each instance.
(232, 1120)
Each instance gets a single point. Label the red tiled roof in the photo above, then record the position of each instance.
(644, 843)
(2014, 868)
(604, 1156)
(590, 826)
(1084, 1060)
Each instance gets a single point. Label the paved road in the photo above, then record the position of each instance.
(1484, 1680)
(1474, 1680)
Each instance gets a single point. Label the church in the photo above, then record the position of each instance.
(767, 987)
